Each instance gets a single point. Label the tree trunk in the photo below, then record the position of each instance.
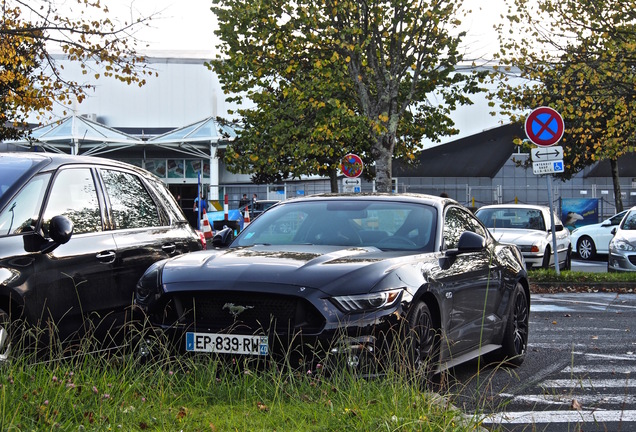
(618, 199)
(384, 163)
(333, 180)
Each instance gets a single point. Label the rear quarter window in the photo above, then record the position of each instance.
(131, 205)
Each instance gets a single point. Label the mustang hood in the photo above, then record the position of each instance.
(330, 269)
(518, 237)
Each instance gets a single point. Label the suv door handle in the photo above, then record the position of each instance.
(107, 257)
(169, 248)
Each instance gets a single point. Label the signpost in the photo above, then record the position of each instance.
(547, 154)
(548, 167)
(351, 166)
(544, 127)
(351, 184)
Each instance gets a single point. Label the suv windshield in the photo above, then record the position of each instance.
(12, 169)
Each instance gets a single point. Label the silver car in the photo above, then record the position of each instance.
(622, 248)
(529, 228)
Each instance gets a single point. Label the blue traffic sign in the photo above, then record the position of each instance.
(544, 126)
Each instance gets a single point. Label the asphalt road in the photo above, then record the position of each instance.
(599, 265)
(577, 375)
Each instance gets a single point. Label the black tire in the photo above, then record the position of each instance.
(546, 258)
(585, 248)
(567, 265)
(515, 339)
(423, 341)
(5, 340)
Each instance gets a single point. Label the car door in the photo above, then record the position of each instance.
(142, 231)
(562, 235)
(74, 281)
(471, 282)
(604, 235)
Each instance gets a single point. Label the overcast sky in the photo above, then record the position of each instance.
(189, 24)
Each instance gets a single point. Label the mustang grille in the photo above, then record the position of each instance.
(240, 312)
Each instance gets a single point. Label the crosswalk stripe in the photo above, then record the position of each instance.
(566, 400)
(615, 369)
(534, 417)
(587, 383)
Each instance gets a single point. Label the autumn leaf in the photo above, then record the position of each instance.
(182, 413)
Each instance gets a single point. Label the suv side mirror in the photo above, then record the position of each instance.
(60, 231)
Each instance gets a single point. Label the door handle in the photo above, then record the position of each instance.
(107, 257)
(169, 248)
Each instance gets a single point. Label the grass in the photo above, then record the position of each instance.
(549, 275)
(122, 391)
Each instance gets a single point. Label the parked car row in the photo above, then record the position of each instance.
(614, 237)
(355, 275)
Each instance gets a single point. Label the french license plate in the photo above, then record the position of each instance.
(226, 343)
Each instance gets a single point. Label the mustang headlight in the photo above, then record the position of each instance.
(367, 302)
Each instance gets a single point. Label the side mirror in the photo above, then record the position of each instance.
(613, 231)
(61, 229)
(468, 242)
(558, 228)
(223, 238)
(606, 223)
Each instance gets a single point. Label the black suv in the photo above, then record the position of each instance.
(76, 233)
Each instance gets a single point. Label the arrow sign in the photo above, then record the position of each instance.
(547, 153)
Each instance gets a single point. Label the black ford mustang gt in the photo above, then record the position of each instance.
(348, 275)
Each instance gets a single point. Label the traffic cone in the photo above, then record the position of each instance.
(246, 217)
(207, 229)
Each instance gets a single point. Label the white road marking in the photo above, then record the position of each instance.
(566, 399)
(615, 369)
(586, 383)
(578, 302)
(532, 417)
(592, 356)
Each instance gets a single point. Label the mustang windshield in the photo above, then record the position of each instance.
(356, 223)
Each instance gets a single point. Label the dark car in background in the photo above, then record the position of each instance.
(351, 276)
(259, 206)
(76, 233)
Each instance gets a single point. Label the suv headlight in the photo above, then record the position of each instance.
(367, 302)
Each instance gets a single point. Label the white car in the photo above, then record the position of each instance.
(622, 248)
(593, 239)
(529, 228)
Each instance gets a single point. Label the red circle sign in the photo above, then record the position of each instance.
(544, 126)
(351, 165)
